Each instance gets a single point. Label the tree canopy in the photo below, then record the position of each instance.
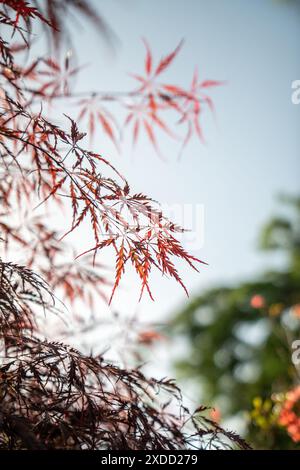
(241, 339)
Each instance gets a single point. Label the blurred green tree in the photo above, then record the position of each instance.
(241, 338)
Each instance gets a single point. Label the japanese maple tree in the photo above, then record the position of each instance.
(51, 395)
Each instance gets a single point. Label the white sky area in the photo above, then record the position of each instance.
(252, 151)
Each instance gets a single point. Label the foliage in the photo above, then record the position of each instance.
(241, 338)
(39, 157)
(51, 395)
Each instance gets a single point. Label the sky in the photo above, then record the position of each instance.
(252, 149)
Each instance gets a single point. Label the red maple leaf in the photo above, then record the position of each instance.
(58, 77)
(94, 111)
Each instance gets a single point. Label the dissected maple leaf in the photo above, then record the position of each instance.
(149, 82)
(92, 109)
(58, 75)
(61, 169)
(144, 116)
(25, 10)
(192, 105)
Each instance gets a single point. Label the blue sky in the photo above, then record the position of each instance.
(252, 152)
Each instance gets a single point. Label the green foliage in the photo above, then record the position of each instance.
(240, 337)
